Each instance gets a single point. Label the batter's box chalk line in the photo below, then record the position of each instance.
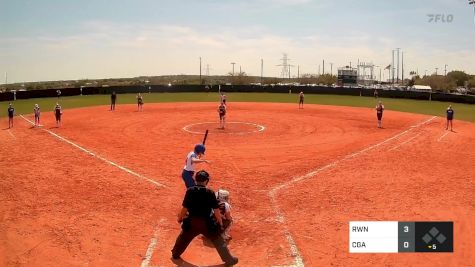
(298, 261)
(127, 170)
(259, 128)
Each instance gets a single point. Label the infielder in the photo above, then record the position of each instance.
(11, 113)
(37, 112)
(301, 98)
(379, 113)
(450, 117)
(222, 115)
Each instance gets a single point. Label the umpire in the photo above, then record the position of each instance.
(196, 218)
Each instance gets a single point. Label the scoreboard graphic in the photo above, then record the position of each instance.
(400, 237)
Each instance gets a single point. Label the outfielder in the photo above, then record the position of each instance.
(223, 98)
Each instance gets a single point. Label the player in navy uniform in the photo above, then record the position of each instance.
(193, 158)
(11, 113)
(113, 99)
(139, 102)
(200, 215)
(58, 112)
(301, 98)
(379, 113)
(222, 115)
(450, 117)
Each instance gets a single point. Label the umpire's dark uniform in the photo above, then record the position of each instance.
(200, 202)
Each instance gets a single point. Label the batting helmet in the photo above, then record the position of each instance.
(202, 176)
(200, 149)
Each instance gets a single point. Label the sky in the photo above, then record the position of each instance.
(69, 40)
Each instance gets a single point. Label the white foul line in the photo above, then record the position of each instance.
(280, 217)
(347, 157)
(11, 134)
(99, 157)
(440, 138)
(298, 262)
(151, 247)
(405, 142)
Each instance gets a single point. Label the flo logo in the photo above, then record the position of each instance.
(440, 18)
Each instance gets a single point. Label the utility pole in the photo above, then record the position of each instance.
(262, 69)
(392, 69)
(445, 71)
(233, 63)
(397, 71)
(402, 67)
(207, 70)
(436, 69)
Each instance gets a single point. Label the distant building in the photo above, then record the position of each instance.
(421, 88)
(347, 76)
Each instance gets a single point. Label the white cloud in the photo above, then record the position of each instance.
(104, 49)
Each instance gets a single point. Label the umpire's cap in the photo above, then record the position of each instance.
(202, 176)
(200, 149)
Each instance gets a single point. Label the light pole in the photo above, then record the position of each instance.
(436, 69)
(397, 70)
(233, 63)
(200, 72)
(262, 69)
(331, 69)
(379, 73)
(445, 70)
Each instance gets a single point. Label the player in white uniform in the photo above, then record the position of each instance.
(36, 110)
(225, 209)
(223, 98)
(193, 158)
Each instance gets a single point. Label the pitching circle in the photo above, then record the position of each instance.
(244, 127)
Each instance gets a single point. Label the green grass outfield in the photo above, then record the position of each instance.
(462, 111)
